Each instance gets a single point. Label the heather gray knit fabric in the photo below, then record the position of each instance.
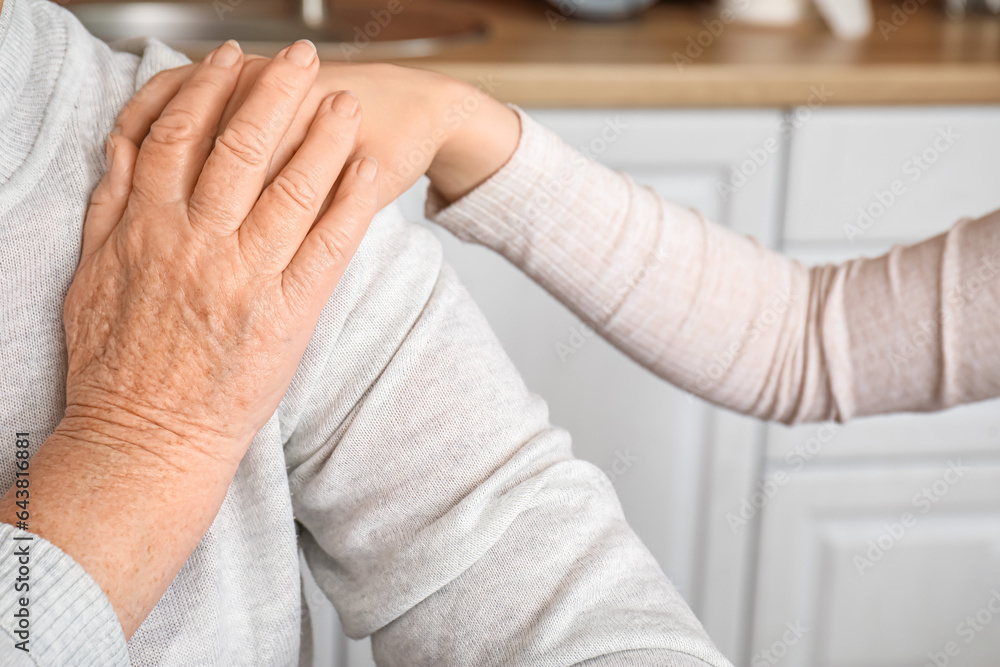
(435, 504)
(727, 319)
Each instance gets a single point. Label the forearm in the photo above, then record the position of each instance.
(125, 502)
(721, 316)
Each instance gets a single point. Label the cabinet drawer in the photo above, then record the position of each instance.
(881, 567)
(858, 176)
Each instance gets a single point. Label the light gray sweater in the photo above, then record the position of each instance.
(435, 504)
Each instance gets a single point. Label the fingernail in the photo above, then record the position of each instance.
(302, 53)
(109, 151)
(226, 55)
(344, 104)
(367, 169)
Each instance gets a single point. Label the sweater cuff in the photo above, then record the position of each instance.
(584, 232)
(69, 620)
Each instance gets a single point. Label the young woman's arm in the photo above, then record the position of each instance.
(725, 318)
(711, 311)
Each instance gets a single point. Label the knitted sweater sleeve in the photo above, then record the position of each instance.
(441, 512)
(52, 612)
(729, 320)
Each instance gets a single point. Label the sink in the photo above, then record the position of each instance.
(340, 33)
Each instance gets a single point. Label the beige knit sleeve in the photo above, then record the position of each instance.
(729, 320)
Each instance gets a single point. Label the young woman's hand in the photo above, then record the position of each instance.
(415, 121)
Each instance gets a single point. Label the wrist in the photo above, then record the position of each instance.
(144, 438)
(480, 143)
(123, 503)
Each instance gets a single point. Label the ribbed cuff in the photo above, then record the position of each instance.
(584, 232)
(70, 620)
(495, 213)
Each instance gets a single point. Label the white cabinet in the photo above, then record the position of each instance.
(881, 565)
(868, 543)
(894, 174)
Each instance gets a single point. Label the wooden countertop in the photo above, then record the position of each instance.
(927, 60)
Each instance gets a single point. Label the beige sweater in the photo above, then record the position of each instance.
(723, 317)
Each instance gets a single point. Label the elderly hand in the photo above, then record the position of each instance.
(194, 300)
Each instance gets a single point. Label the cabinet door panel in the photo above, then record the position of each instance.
(966, 430)
(943, 161)
(881, 567)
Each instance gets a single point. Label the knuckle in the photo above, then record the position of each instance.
(173, 127)
(295, 188)
(360, 202)
(337, 132)
(209, 208)
(102, 196)
(282, 79)
(246, 141)
(336, 242)
(100, 203)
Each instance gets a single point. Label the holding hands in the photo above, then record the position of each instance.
(415, 122)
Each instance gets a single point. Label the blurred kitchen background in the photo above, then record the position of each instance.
(788, 120)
